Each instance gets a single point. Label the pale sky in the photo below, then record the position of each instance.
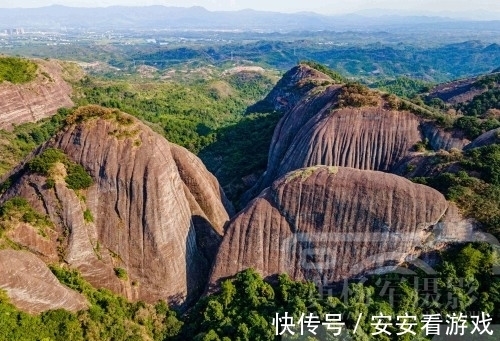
(320, 6)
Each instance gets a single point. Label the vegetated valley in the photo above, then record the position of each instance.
(147, 207)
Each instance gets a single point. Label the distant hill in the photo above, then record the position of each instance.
(161, 17)
(464, 90)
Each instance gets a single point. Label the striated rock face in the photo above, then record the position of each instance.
(207, 202)
(32, 287)
(21, 103)
(359, 138)
(321, 126)
(318, 131)
(486, 139)
(439, 139)
(156, 211)
(459, 91)
(330, 223)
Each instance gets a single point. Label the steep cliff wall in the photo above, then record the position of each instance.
(330, 223)
(153, 209)
(319, 130)
(440, 139)
(344, 125)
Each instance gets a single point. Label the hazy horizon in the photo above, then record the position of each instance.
(485, 9)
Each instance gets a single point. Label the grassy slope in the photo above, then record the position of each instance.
(17, 70)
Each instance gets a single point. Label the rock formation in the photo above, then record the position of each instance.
(486, 139)
(35, 100)
(317, 129)
(331, 124)
(292, 87)
(460, 91)
(150, 224)
(440, 139)
(32, 287)
(326, 224)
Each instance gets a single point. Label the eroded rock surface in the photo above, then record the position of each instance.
(486, 139)
(155, 210)
(330, 223)
(21, 103)
(32, 287)
(317, 130)
(460, 91)
(321, 127)
(439, 139)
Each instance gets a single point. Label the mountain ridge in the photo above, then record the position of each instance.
(198, 17)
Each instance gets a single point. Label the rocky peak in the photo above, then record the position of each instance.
(345, 125)
(339, 125)
(292, 87)
(149, 224)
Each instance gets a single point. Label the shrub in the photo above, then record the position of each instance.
(357, 95)
(422, 146)
(85, 112)
(50, 183)
(485, 160)
(121, 273)
(19, 209)
(87, 216)
(77, 177)
(43, 163)
(474, 126)
(324, 69)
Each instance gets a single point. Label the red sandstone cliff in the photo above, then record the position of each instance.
(327, 224)
(157, 212)
(21, 103)
(344, 125)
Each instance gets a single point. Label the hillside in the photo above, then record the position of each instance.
(36, 97)
(107, 226)
(464, 90)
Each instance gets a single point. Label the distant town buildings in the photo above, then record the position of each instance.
(14, 31)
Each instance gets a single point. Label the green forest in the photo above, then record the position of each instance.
(245, 306)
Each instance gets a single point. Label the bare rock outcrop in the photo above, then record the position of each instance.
(318, 130)
(291, 88)
(440, 139)
(32, 287)
(460, 91)
(486, 139)
(326, 224)
(346, 125)
(21, 103)
(150, 224)
(427, 164)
